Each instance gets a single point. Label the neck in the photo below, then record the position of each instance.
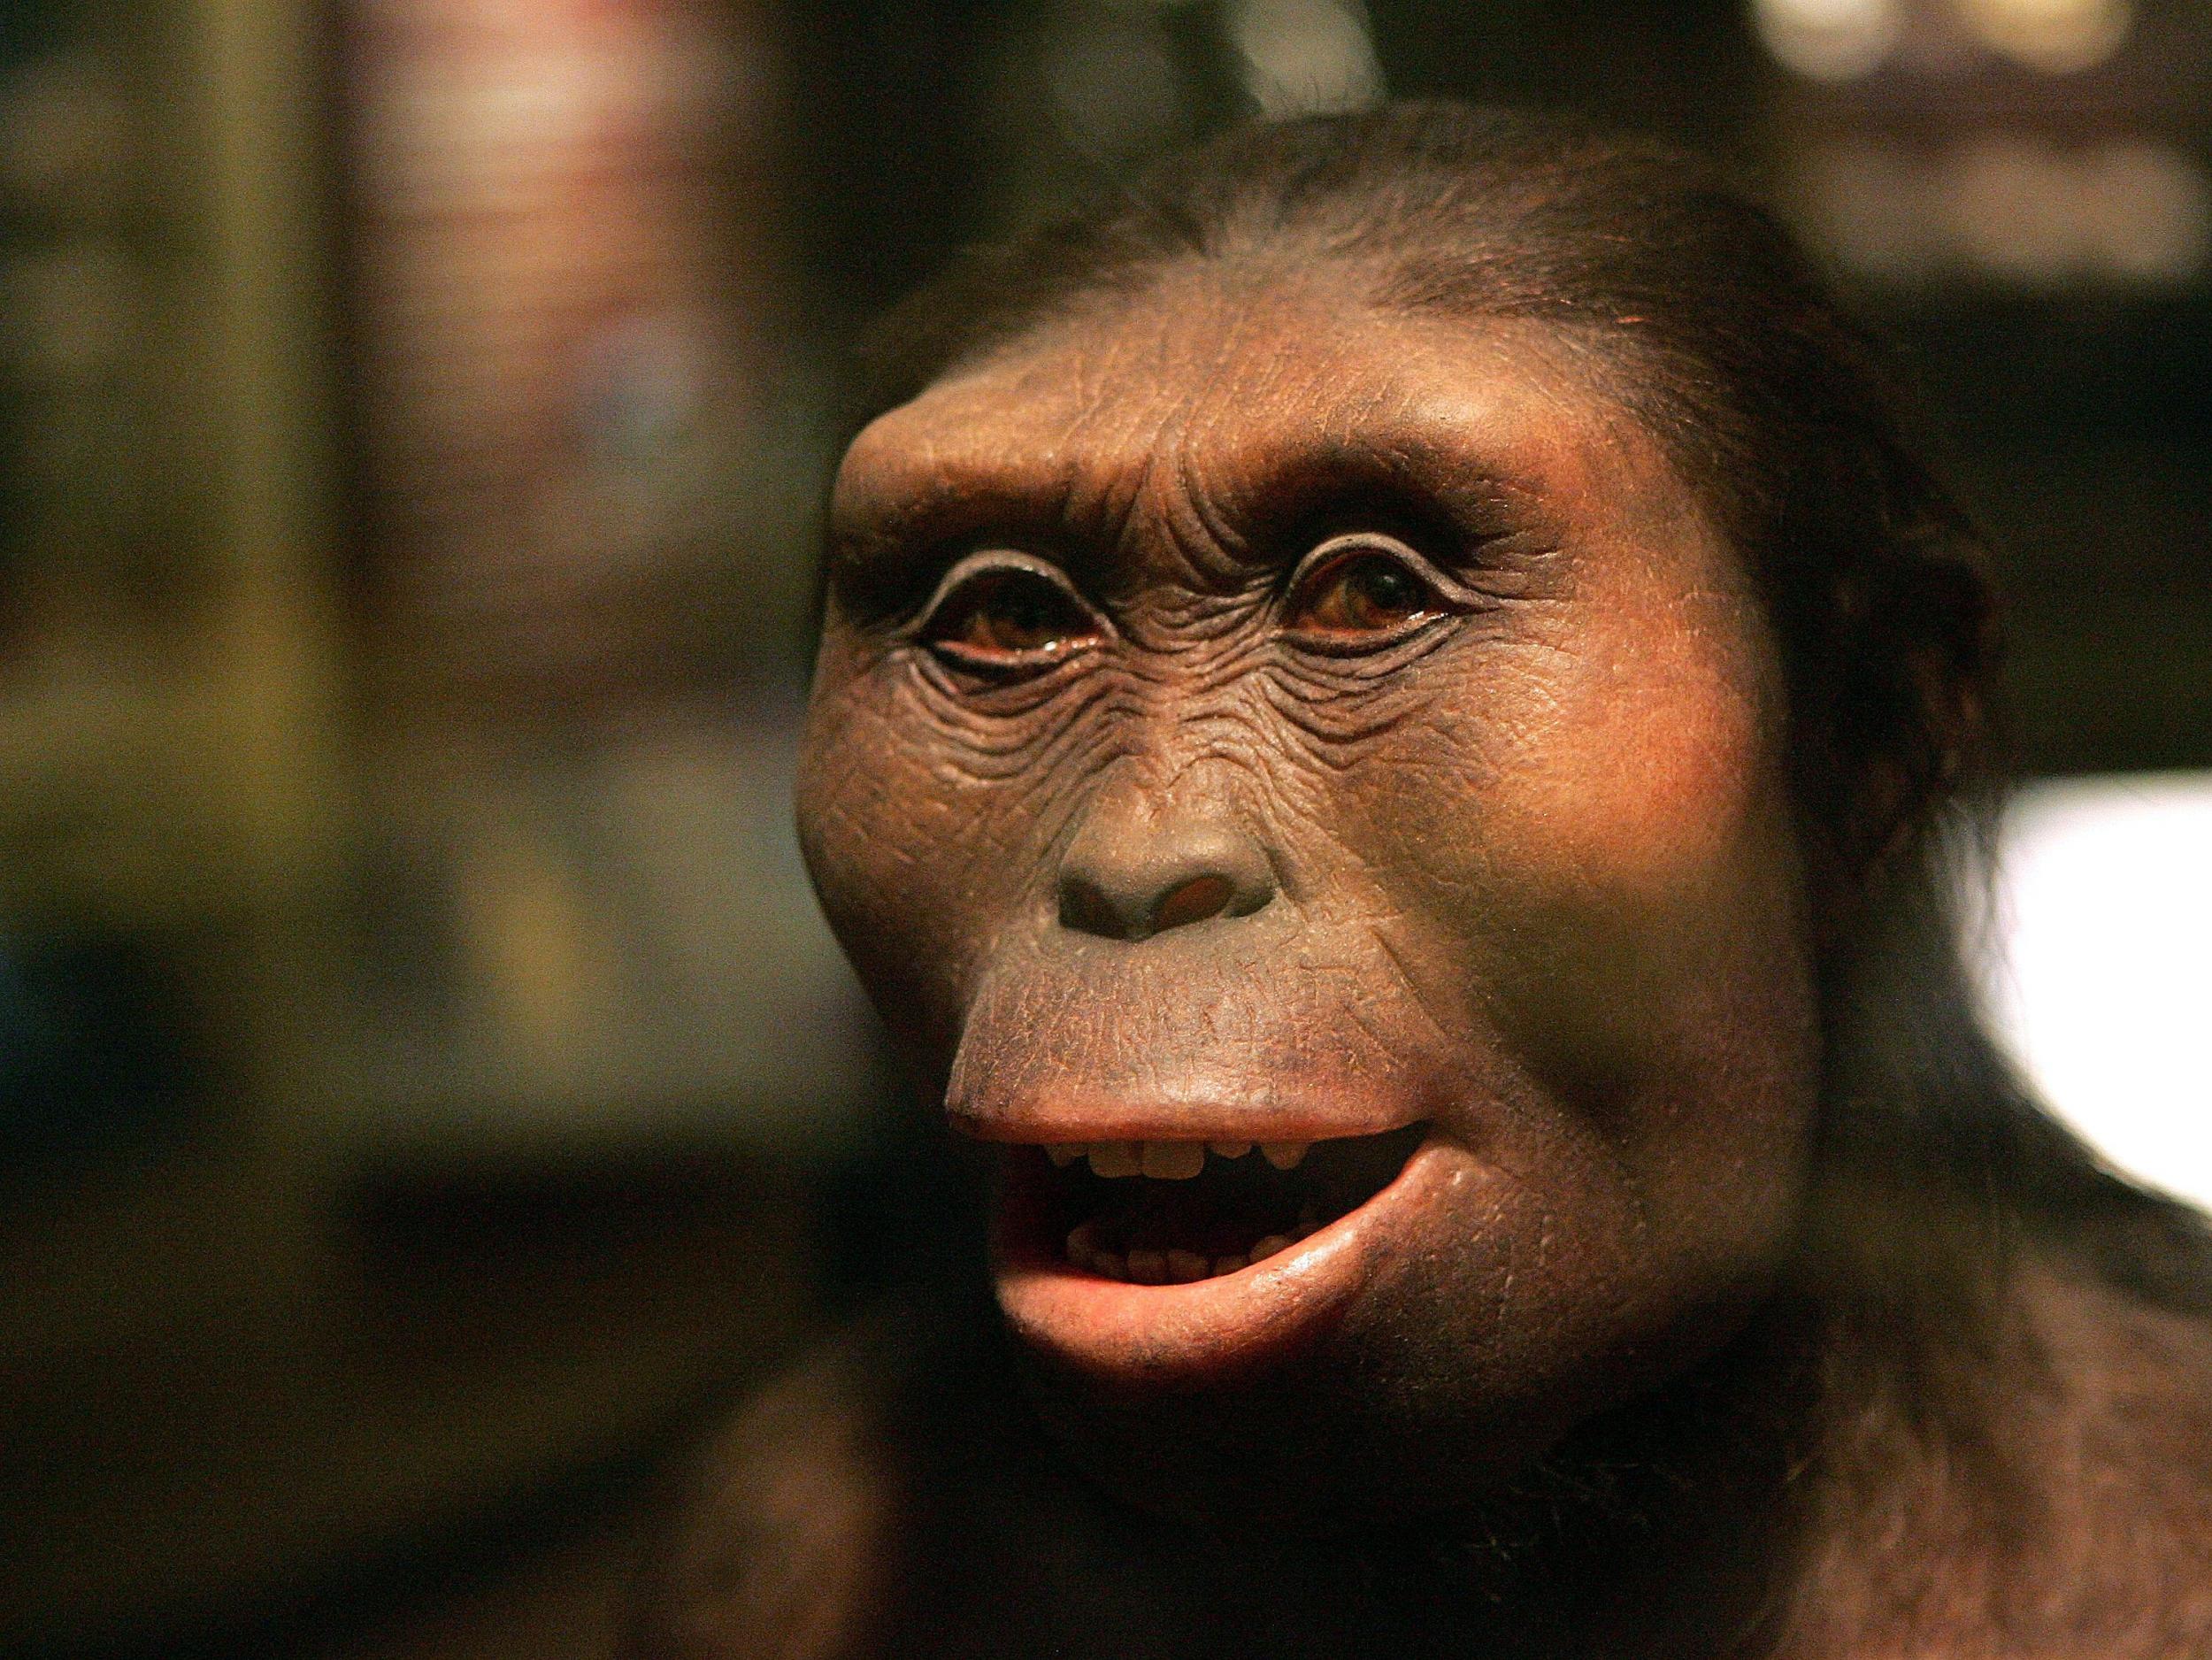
(1659, 1529)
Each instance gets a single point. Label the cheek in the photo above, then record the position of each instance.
(1614, 811)
(1611, 864)
(1533, 1316)
(876, 832)
(1652, 853)
(923, 839)
(1643, 845)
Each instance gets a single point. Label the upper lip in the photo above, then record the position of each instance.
(1078, 1115)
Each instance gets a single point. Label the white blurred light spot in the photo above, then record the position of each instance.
(1306, 57)
(1869, 203)
(1829, 40)
(2018, 205)
(2099, 981)
(2057, 37)
(2041, 212)
(2153, 208)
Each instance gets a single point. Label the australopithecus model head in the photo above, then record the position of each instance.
(1383, 702)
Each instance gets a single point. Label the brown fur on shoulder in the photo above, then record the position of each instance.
(892, 1495)
(2038, 1488)
(781, 1544)
(2057, 1503)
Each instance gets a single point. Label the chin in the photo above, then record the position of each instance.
(1439, 1324)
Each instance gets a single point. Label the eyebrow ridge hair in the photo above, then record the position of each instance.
(1408, 471)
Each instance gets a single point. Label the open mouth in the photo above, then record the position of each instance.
(1173, 1212)
(1188, 1265)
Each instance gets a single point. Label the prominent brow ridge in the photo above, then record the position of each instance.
(1267, 506)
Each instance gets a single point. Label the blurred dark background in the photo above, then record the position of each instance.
(425, 1089)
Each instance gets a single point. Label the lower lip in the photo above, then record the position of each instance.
(1206, 1332)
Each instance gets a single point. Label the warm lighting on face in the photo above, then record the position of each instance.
(2100, 979)
(1828, 40)
(2057, 37)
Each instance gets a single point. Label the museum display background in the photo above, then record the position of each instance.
(424, 1084)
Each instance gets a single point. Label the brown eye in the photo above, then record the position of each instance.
(1361, 591)
(1009, 619)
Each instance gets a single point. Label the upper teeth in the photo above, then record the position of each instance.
(1170, 1161)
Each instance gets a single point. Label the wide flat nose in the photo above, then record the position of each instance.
(1130, 875)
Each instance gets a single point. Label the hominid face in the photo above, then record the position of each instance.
(1305, 783)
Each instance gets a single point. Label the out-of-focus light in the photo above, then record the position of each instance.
(2014, 206)
(2019, 206)
(64, 130)
(1870, 205)
(2098, 980)
(2041, 212)
(2058, 37)
(1113, 82)
(2153, 211)
(1306, 57)
(1829, 40)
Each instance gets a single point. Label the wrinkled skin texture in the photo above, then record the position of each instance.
(1243, 714)
(1523, 869)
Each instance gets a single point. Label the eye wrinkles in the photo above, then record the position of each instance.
(1114, 524)
(1009, 670)
(1008, 598)
(1005, 613)
(1330, 708)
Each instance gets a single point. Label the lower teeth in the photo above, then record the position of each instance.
(1173, 1226)
(1145, 1265)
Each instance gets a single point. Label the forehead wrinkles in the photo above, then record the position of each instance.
(1147, 428)
(1226, 404)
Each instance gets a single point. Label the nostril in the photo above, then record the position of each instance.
(1129, 880)
(1194, 901)
(1085, 908)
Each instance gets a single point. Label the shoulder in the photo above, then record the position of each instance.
(2051, 1498)
(781, 1542)
(2119, 1428)
(892, 1494)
